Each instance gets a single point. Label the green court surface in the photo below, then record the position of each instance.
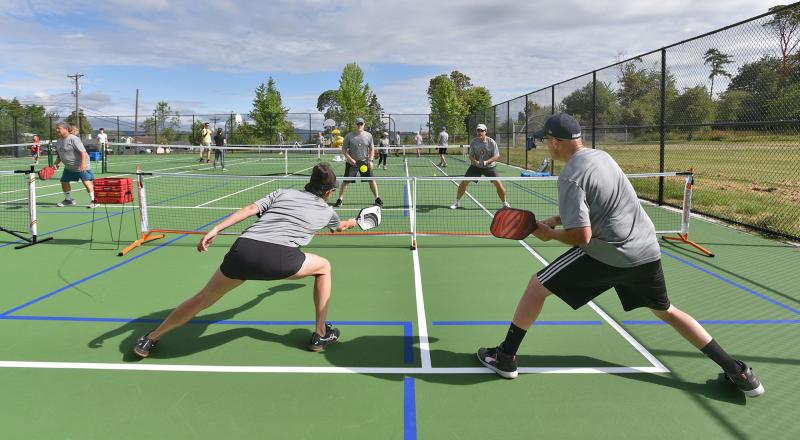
(411, 321)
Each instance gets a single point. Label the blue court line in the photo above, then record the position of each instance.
(719, 321)
(97, 274)
(509, 323)
(409, 409)
(408, 335)
(732, 283)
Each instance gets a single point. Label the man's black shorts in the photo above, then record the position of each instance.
(251, 259)
(353, 170)
(443, 150)
(577, 278)
(474, 171)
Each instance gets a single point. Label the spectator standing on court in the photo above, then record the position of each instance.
(102, 140)
(205, 143)
(358, 149)
(614, 244)
(418, 140)
(397, 142)
(219, 152)
(270, 249)
(443, 138)
(383, 149)
(71, 152)
(483, 155)
(36, 149)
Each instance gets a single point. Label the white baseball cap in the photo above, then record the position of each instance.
(481, 127)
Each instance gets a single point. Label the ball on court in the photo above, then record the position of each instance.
(363, 168)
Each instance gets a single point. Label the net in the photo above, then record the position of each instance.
(18, 206)
(14, 214)
(256, 160)
(18, 156)
(192, 203)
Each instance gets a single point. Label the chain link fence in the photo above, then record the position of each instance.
(725, 104)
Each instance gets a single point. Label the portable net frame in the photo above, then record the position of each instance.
(173, 203)
(18, 206)
(249, 160)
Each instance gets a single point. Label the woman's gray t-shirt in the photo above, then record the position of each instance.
(290, 217)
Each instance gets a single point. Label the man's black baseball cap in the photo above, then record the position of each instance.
(561, 126)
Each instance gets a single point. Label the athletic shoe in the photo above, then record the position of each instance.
(318, 343)
(66, 202)
(384, 167)
(92, 205)
(499, 362)
(506, 205)
(338, 203)
(455, 205)
(144, 345)
(378, 201)
(746, 381)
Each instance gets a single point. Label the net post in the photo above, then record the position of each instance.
(145, 227)
(413, 213)
(33, 228)
(285, 161)
(686, 212)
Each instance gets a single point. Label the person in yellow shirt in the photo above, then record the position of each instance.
(205, 143)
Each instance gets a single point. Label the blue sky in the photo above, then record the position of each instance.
(208, 56)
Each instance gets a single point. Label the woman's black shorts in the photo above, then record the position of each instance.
(257, 260)
(443, 150)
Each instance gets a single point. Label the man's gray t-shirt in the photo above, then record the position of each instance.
(484, 151)
(593, 191)
(290, 217)
(70, 151)
(358, 146)
(443, 138)
(383, 145)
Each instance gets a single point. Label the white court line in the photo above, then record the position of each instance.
(246, 189)
(422, 320)
(657, 365)
(312, 370)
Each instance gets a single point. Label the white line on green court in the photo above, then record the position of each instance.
(314, 370)
(657, 365)
(422, 320)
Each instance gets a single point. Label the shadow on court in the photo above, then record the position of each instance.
(189, 338)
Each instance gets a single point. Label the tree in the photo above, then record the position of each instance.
(693, 106)
(730, 105)
(353, 96)
(373, 117)
(717, 60)
(579, 104)
(447, 108)
(328, 103)
(268, 112)
(85, 128)
(787, 105)
(163, 124)
(639, 94)
(785, 23)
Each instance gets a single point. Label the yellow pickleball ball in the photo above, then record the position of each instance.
(363, 168)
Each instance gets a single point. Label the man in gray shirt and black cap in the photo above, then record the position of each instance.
(614, 245)
(359, 151)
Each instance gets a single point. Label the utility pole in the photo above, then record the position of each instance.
(77, 78)
(136, 117)
(215, 119)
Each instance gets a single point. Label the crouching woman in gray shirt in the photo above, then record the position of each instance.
(270, 250)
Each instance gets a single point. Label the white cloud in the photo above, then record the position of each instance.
(511, 47)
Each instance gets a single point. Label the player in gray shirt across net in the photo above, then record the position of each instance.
(270, 250)
(444, 137)
(614, 245)
(359, 152)
(71, 152)
(483, 156)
